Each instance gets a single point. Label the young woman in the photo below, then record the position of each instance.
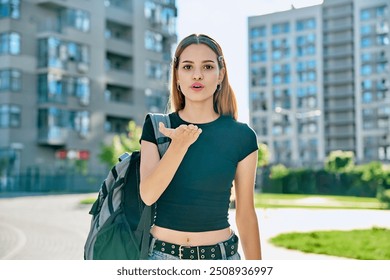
(209, 150)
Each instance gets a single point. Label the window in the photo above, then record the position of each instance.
(82, 90)
(280, 49)
(306, 45)
(161, 15)
(367, 84)
(9, 116)
(258, 51)
(10, 8)
(116, 124)
(260, 31)
(9, 43)
(53, 52)
(153, 41)
(366, 57)
(118, 31)
(52, 122)
(121, 4)
(77, 19)
(366, 29)
(258, 101)
(306, 24)
(10, 80)
(156, 101)
(373, 13)
(367, 97)
(280, 28)
(306, 71)
(115, 62)
(366, 70)
(382, 40)
(281, 74)
(259, 76)
(366, 42)
(114, 93)
(56, 88)
(155, 70)
(282, 98)
(365, 14)
(79, 121)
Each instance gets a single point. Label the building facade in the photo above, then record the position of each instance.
(74, 73)
(319, 81)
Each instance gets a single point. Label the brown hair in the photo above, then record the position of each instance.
(224, 99)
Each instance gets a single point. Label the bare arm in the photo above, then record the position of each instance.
(156, 174)
(246, 217)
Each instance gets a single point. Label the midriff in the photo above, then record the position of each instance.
(191, 238)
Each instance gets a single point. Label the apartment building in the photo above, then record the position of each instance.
(74, 72)
(319, 81)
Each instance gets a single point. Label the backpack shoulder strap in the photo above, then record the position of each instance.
(162, 140)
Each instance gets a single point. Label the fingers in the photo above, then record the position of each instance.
(166, 131)
(191, 130)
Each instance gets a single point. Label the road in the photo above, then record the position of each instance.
(55, 227)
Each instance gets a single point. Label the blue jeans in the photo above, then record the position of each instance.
(158, 255)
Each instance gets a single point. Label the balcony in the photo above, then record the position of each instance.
(340, 121)
(338, 40)
(346, 78)
(338, 94)
(52, 136)
(340, 11)
(118, 46)
(52, 3)
(341, 132)
(334, 26)
(123, 16)
(343, 53)
(49, 26)
(338, 66)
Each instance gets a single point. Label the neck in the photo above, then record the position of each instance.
(198, 114)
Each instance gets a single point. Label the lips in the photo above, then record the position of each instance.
(197, 86)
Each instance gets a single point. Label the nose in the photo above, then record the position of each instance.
(197, 75)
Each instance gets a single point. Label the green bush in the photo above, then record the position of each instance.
(339, 161)
(360, 180)
(384, 197)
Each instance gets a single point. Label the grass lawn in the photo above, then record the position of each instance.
(89, 200)
(370, 244)
(268, 200)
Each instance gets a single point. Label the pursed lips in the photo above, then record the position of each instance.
(197, 86)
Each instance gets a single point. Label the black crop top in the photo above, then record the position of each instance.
(197, 199)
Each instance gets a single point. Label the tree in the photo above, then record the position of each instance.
(125, 142)
(339, 161)
(263, 155)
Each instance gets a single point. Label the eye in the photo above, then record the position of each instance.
(187, 67)
(208, 67)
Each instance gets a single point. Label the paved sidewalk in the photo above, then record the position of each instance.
(55, 227)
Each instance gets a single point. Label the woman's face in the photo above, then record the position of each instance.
(198, 73)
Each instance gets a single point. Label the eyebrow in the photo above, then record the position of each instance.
(204, 61)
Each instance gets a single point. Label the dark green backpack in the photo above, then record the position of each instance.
(121, 221)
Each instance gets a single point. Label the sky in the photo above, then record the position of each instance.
(226, 22)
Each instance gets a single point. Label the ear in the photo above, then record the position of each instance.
(222, 74)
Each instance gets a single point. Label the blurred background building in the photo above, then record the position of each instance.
(74, 72)
(319, 81)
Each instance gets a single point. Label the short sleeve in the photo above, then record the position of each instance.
(148, 131)
(248, 142)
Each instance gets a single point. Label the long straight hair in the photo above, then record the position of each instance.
(224, 98)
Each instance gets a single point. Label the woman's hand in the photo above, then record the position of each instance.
(184, 135)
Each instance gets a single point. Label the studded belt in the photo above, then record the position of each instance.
(209, 252)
